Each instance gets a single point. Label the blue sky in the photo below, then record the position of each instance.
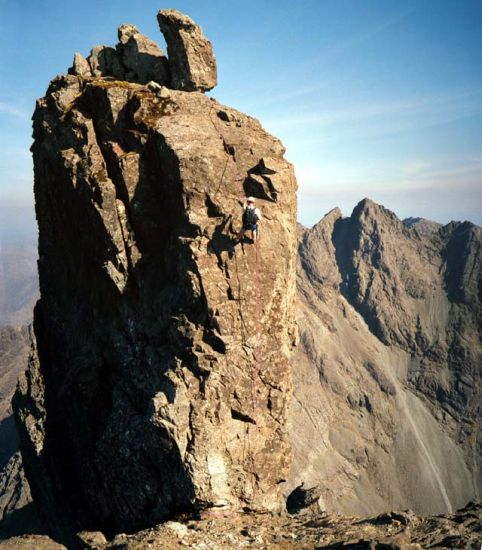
(373, 98)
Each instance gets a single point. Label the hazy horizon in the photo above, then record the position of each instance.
(371, 99)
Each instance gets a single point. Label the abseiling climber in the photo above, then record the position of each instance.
(251, 218)
(152, 297)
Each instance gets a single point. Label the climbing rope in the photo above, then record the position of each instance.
(248, 451)
(226, 150)
(248, 455)
(255, 355)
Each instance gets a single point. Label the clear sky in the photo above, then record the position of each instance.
(372, 98)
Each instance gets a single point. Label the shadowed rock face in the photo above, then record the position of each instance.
(387, 377)
(160, 381)
(14, 346)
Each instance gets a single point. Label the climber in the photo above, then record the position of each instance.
(251, 218)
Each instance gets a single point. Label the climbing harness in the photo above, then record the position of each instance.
(250, 218)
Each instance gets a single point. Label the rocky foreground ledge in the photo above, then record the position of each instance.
(390, 531)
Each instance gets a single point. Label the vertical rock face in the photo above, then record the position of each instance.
(160, 380)
(191, 56)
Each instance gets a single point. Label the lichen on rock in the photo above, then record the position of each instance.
(162, 371)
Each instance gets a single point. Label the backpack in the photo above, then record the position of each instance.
(250, 217)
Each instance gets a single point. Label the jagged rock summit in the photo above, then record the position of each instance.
(136, 58)
(191, 56)
(159, 381)
(387, 384)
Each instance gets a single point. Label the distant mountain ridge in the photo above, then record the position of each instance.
(422, 225)
(18, 282)
(390, 354)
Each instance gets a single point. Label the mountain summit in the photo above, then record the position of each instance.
(388, 387)
(160, 378)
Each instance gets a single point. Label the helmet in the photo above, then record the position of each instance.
(250, 199)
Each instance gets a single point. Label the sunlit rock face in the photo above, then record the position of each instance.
(387, 375)
(160, 377)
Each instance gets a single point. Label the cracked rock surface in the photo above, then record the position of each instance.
(388, 386)
(160, 377)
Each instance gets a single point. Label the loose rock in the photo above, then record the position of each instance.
(80, 66)
(191, 57)
(142, 58)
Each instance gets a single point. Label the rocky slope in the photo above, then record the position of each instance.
(159, 380)
(421, 225)
(389, 531)
(387, 403)
(14, 347)
(17, 514)
(18, 283)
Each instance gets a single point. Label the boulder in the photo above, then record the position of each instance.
(80, 66)
(142, 58)
(191, 57)
(104, 61)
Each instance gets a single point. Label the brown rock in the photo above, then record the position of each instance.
(104, 61)
(39, 542)
(387, 384)
(92, 540)
(162, 343)
(142, 58)
(314, 530)
(191, 57)
(80, 66)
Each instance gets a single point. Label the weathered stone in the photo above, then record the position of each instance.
(191, 57)
(142, 58)
(80, 66)
(312, 530)
(161, 381)
(104, 61)
(92, 540)
(18, 513)
(387, 378)
(39, 542)
(303, 499)
(14, 348)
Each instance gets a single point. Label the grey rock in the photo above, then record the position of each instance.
(191, 57)
(80, 66)
(104, 61)
(14, 349)
(14, 489)
(18, 514)
(162, 380)
(303, 499)
(387, 378)
(142, 58)
(422, 225)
